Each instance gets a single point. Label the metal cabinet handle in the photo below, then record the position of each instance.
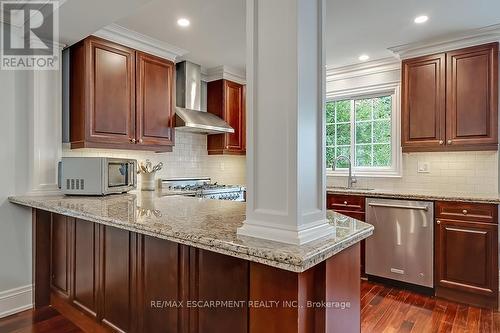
(140, 140)
(465, 212)
(399, 206)
(449, 142)
(438, 222)
(441, 142)
(132, 140)
(345, 203)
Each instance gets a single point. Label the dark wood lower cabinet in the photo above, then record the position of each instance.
(467, 262)
(84, 266)
(217, 277)
(159, 279)
(129, 282)
(116, 272)
(60, 255)
(352, 206)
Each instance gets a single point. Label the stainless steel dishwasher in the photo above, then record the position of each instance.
(401, 247)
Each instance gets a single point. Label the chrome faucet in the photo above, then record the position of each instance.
(351, 179)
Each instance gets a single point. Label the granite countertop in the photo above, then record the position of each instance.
(202, 223)
(419, 195)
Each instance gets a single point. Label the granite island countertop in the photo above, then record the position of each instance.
(202, 223)
(490, 198)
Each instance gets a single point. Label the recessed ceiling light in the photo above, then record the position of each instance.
(183, 22)
(421, 19)
(363, 57)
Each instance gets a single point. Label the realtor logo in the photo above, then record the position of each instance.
(28, 29)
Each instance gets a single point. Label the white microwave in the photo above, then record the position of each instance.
(96, 175)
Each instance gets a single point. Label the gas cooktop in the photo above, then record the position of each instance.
(202, 188)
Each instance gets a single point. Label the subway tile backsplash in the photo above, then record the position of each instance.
(474, 172)
(189, 158)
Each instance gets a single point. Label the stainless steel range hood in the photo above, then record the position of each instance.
(188, 114)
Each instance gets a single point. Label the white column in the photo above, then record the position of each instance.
(45, 123)
(285, 118)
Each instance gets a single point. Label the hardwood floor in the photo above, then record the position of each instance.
(44, 320)
(383, 309)
(386, 309)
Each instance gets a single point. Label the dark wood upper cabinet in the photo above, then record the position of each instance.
(119, 98)
(226, 99)
(450, 100)
(466, 253)
(472, 96)
(102, 93)
(154, 113)
(423, 102)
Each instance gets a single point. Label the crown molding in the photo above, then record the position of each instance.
(226, 73)
(362, 69)
(389, 86)
(133, 39)
(451, 42)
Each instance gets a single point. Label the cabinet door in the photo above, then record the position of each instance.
(423, 103)
(234, 115)
(115, 277)
(112, 92)
(154, 100)
(60, 254)
(218, 277)
(159, 278)
(472, 96)
(84, 290)
(466, 256)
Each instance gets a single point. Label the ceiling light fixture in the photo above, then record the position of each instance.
(363, 57)
(183, 22)
(421, 19)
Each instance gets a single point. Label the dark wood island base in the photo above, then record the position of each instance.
(130, 282)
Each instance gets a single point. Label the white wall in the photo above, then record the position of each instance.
(15, 221)
(474, 172)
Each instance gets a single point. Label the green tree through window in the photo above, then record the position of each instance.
(360, 128)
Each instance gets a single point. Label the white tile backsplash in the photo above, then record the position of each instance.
(189, 158)
(474, 172)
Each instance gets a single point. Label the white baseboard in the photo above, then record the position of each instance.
(16, 300)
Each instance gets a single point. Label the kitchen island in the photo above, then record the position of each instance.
(140, 262)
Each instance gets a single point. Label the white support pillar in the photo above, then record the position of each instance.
(285, 106)
(45, 134)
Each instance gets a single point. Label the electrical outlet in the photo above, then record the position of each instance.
(423, 167)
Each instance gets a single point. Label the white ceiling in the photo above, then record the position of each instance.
(215, 37)
(217, 32)
(356, 27)
(80, 18)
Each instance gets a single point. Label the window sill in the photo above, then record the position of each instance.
(361, 174)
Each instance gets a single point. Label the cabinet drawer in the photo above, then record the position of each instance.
(341, 202)
(462, 211)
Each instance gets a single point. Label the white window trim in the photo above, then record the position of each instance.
(394, 90)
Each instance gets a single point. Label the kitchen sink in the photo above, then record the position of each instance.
(350, 189)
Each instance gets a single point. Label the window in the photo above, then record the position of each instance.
(364, 129)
